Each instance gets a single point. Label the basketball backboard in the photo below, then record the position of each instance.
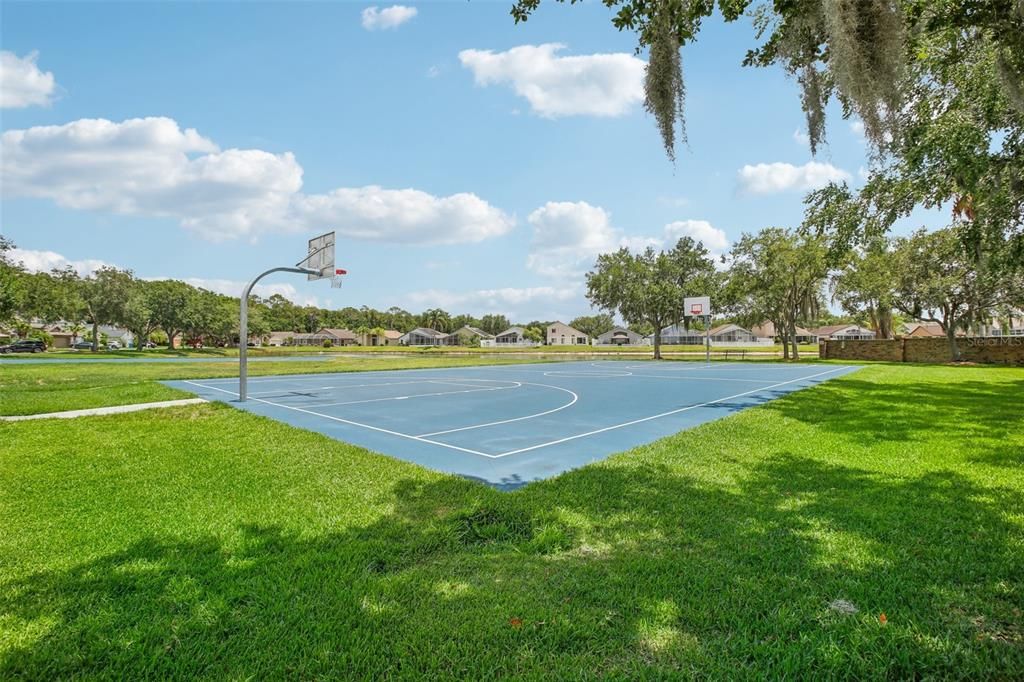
(697, 306)
(319, 257)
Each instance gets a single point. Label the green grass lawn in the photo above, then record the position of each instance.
(45, 387)
(203, 541)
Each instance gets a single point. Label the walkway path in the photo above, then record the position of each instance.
(117, 409)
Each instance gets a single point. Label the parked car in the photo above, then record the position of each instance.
(83, 345)
(24, 346)
(113, 345)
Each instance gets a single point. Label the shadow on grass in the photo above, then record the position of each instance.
(629, 570)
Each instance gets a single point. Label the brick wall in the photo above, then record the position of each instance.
(1006, 350)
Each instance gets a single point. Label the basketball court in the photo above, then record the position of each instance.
(511, 424)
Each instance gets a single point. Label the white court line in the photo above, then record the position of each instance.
(516, 419)
(701, 378)
(353, 423)
(326, 388)
(713, 367)
(663, 414)
(419, 395)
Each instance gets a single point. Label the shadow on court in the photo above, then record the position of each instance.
(632, 570)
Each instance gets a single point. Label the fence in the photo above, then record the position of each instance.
(1007, 350)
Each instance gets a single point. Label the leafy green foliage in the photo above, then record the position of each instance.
(593, 325)
(777, 275)
(938, 281)
(650, 287)
(12, 288)
(865, 286)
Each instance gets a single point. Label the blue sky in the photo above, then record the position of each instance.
(465, 161)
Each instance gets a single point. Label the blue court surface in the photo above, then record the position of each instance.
(511, 424)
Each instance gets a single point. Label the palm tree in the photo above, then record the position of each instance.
(379, 336)
(438, 319)
(76, 329)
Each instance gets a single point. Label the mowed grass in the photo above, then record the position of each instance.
(207, 542)
(39, 388)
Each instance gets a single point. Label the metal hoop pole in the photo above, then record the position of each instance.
(243, 326)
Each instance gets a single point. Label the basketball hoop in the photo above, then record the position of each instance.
(336, 278)
(696, 309)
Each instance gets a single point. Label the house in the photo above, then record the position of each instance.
(677, 335)
(766, 330)
(304, 339)
(731, 333)
(338, 337)
(422, 336)
(122, 336)
(464, 335)
(619, 336)
(278, 339)
(923, 330)
(559, 334)
(1010, 323)
(513, 336)
(61, 338)
(844, 332)
(390, 337)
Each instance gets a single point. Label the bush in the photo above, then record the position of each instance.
(327, 343)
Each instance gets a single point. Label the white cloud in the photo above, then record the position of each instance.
(433, 71)
(568, 236)
(22, 84)
(802, 138)
(45, 261)
(770, 178)
(857, 128)
(151, 167)
(405, 216)
(714, 239)
(555, 86)
(234, 288)
(390, 17)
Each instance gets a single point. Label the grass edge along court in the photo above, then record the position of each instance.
(869, 527)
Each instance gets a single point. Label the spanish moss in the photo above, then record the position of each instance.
(664, 90)
(867, 53)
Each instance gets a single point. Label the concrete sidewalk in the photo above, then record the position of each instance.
(116, 409)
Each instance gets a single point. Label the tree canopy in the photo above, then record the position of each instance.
(649, 287)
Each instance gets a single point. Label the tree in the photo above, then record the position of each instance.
(12, 288)
(169, 303)
(865, 285)
(104, 296)
(534, 333)
(494, 324)
(867, 54)
(650, 287)
(939, 283)
(593, 325)
(381, 334)
(778, 275)
(137, 316)
(436, 318)
(938, 86)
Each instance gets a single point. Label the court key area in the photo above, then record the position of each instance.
(507, 425)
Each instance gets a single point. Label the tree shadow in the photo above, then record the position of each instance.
(624, 569)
